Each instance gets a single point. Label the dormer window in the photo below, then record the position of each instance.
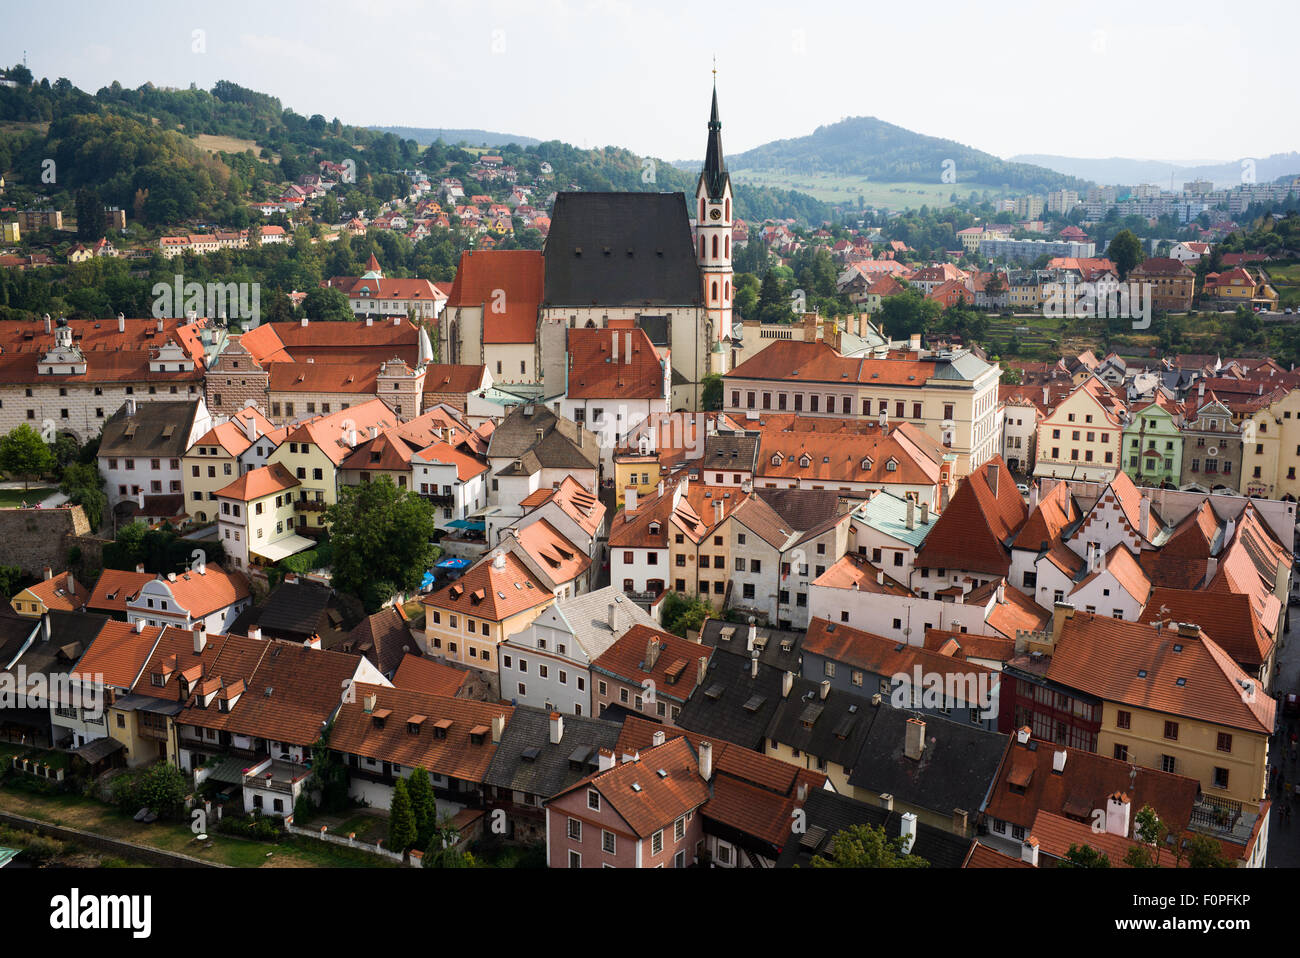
(776, 460)
(805, 461)
(867, 463)
(654, 528)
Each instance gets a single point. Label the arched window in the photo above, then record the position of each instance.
(701, 247)
(726, 243)
(726, 291)
(701, 209)
(728, 215)
(715, 247)
(713, 297)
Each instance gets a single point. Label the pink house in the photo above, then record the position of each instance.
(642, 813)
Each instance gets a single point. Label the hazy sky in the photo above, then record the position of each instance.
(1152, 80)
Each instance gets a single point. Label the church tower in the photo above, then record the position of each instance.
(713, 214)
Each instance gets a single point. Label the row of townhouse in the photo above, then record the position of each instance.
(203, 243)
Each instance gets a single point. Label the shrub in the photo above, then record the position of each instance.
(262, 828)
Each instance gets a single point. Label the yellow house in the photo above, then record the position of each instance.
(59, 592)
(637, 471)
(466, 621)
(1082, 437)
(1172, 699)
(213, 462)
(1270, 451)
(313, 453)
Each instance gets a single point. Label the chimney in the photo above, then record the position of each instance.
(499, 561)
(657, 738)
(943, 497)
(1029, 851)
(48, 573)
(1091, 564)
(911, 514)
(925, 513)
(1200, 391)
(397, 320)
(752, 635)
(250, 429)
(1022, 735)
(1058, 760)
(121, 323)
(1188, 630)
(1229, 528)
(139, 568)
(824, 690)
(45, 626)
(498, 728)
(992, 474)
(887, 801)
(1061, 612)
(1144, 516)
(256, 633)
(661, 487)
(915, 341)
(701, 670)
(139, 499)
(139, 626)
(717, 511)
(753, 665)
(130, 406)
(914, 741)
(304, 322)
(651, 654)
(960, 820)
(541, 433)
(200, 637)
(604, 759)
(557, 728)
(706, 760)
(1117, 814)
(368, 702)
(787, 683)
(370, 320)
(801, 792)
(160, 324)
(613, 355)
(629, 500)
(612, 619)
(1047, 395)
(352, 438)
(1033, 494)
(374, 432)
(49, 325)
(907, 829)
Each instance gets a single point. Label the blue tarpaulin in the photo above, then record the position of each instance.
(478, 524)
(451, 563)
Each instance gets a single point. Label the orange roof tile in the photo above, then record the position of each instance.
(508, 284)
(489, 592)
(256, 483)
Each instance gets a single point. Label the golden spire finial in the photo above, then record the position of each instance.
(715, 67)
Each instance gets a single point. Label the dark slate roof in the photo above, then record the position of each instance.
(804, 509)
(956, 769)
(384, 638)
(777, 647)
(297, 610)
(730, 452)
(70, 635)
(828, 813)
(14, 630)
(833, 728)
(661, 269)
(714, 175)
(717, 706)
(526, 761)
(161, 430)
(564, 444)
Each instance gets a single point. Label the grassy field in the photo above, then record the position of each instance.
(835, 188)
(227, 144)
(1286, 280)
(16, 497)
(75, 811)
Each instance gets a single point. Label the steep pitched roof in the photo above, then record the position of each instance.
(419, 674)
(673, 670)
(157, 429)
(114, 588)
(1179, 672)
(1226, 617)
(384, 638)
(508, 285)
(491, 592)
(57, 593)
(976, 530)
(256, 483)
(614, 364)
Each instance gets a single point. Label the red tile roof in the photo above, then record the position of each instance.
(488, 592)
(117, 655)
(514, 279)
(418, 674)
(114, 588)
(256, 483)
(975, 531)
(600, 366)
(55, 593)
(675, 668)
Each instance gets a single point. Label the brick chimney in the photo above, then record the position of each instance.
(200, 637)
(706, 760)
(557, 728)
(1117, 814)
(498, 728)
(701, 671)
(651, 654)
(914, 742)
(657, 738)
(787, 683)
(1029, 851)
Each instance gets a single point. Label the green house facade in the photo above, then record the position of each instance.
(1153, 445)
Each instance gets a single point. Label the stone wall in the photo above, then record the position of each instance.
(35, 538)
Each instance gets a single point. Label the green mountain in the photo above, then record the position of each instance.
(426, 135)
(866, 146)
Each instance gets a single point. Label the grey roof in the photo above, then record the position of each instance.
(526, 761)
(298, 610)
(563, 444)
(586, 618)
(621, 249)
(956, 770)
(833, 728)
(70, 635)
(730, 705)
(829, 813)
(161, 430)
(14, 631)
(777, 647)
(963, 365)
(730, 452)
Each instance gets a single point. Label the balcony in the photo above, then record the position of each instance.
(277, 776)
(309, 505)
(437, 499)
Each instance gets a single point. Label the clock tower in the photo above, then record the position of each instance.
(713, 212)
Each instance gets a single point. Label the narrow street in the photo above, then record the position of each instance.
(1284, 835)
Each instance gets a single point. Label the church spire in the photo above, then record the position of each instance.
(715, 167)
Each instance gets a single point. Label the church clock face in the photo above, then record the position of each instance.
(715, 214)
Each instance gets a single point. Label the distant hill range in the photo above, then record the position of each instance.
(866, 146)
(425, 135)
(1126, 172)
